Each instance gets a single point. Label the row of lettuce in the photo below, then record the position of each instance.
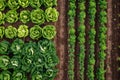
(37, 16)
(16, 4)
(37, 58)
(36, 32)
(72, 38)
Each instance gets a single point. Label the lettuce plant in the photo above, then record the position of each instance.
(11, 16)
(36, 32)
(23, 3)
(25, 16)
(51, 14)
(23, 31)
(49, 31)
(35, 3)
(13, 4)
(5, 75)
(4, 62)
(37, 76)
(49, 3)
(10, 32)
(2, 5)
(4, 47)
(2, 17)
(37, 16)
(2, 31)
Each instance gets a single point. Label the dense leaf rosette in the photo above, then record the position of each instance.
(13, 4)
(2, 31)
(23, 31)
(2, 17)
(11, 16)
(25, 16)
(37, 76)
(37, 16)
(2, 5)
(36, 32)
(5, 75)
(35, 3)
(23, 3)
(16, 46)
(10, 32)
(4, 62)
(51, 14)
(50, 3)
(49, 32)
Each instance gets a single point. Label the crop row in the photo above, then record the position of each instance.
(19, 58)
(15, 4)
(72, 37)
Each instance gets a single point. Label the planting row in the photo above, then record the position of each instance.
(15, 4)
(35, 32)
(38, 60)
(37, 16)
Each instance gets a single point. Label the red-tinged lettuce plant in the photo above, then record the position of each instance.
(51, 14)
(49, 31)
(10, 32)
(23, 31)
(36, 3)
(2, 31)
(23, 3)
(2, 5)
(11, 16)
(25, 16)
(5, 75)
(4, 62)
(2, 17)
(4, 47)
(13, 4)
(36, 32)
(37, 16)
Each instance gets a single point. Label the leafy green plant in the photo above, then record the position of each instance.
(51, 14)
(16, 46)
(13, 4)
(35, 3)
(37, 76)
(49, 31)
(2, 17)
(4, 62)
(36, 32)
(11, 16)
(49, 3)
(37, 16)
(25, 16)
(23, 3)
(2, 5)
(4, 47)
(23, 31)
(10, 32)
(2, 31)
(5, 75)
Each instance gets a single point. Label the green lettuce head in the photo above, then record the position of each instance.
(25, 16)
(2, 31)
(50, 3)
(36, 32)
(49, 32)
(51, 14)
(5, 75)
(13, 4)
(11, 16)
(37, 76)
(2, 5)
(10, 32)
(35, 3)
(23, 3)
(23, 31)
(2, 17)
(37, 16)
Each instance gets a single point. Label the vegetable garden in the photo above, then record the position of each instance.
(59, 39)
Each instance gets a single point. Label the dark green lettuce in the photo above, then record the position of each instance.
(13, 4)
(2, 5)
(2, 31)
(5, 75)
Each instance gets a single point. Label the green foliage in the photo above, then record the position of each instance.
(2, 31)
(37, 76)
(49, 3)
(2, 17)
(11, 16)
(36, 32)
(10, 32)
(13, 4)
(23, 31)
(49, 32)
(5, 75)
(35, 3)
(25, 16)
(2, 5)
(4, 47)
(4, 62)
(37, 16)
(23, 3)
(51, 14)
